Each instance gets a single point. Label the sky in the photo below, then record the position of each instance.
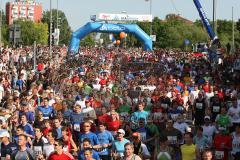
(78, 11)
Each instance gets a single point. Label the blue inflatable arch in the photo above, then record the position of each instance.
(109, 28)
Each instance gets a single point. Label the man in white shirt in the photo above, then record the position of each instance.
(234, 113)
(1, 89)
(208, 129)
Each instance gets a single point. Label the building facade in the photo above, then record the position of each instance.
(23, 9)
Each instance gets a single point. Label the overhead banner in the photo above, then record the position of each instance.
(125, 17)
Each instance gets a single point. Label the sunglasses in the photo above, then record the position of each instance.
(86, 126)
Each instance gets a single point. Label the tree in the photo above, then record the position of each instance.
(238, 25)
(65, 29)
(31, 32)
(4, 29)
(88, 41)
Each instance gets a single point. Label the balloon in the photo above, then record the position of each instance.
(122, 35)
(118, 42)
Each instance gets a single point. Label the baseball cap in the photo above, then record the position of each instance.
(207, 117)
(4, 133)
(136, 134)
(121, 131)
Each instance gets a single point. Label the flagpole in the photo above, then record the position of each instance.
(150, 14)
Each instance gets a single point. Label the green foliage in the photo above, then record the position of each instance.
(31, 32)
(224, 29)
(172, 32)
(65, 29)
(5, 34)
(88, 41)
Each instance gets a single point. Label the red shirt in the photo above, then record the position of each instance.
(206, 88)
(63, 156)
(104, 118)
(40, 67)
(46, 130)
(220, 141)
(113, 125)
(103, 82)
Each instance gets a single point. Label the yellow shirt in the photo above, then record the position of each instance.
(188, 152)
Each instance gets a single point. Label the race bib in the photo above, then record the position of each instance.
(100, 150)
(124, 114)
(48, 149)
(164, 105)
(157, 116)
(143, 136)
(216, 108)
(13, 148)
(37, 150)
(174, 116)
(199, 105)
(172, 139)
(76, 127)
(219, 154)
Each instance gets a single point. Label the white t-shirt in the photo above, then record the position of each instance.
(181, 126)
(1, 92)
(235, 143)
(48, 149)
(51, 102)
(209, 130)
(145, 151)
(234, 114)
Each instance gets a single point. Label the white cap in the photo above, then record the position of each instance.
(121, 131)
(207, 117)
(4, 133)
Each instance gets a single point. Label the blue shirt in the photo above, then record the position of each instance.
(28, 129)
(67, 114)
(48, 112)
(59, 132)
(104, 137)
(200, 141)
(92, 136)
(29, 114)
(76, 119)
(20, 83)
(94, 155)
(118, 146)
(139, 114)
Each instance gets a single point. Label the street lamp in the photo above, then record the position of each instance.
(50, 32)
(150, 10)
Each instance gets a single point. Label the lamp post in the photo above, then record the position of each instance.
(50, 32)
(150, 10)
(233, 36)
(57, 25)
(1, 24)
(214, 17)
